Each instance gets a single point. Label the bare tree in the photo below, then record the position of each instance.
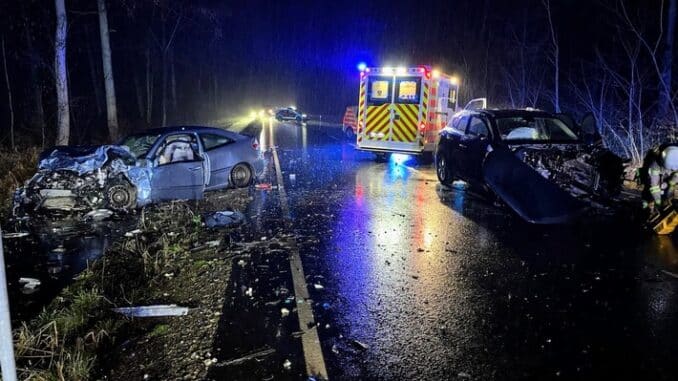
(9, 96)
(60, 71)
(665, 94)
(111, 108)
(555, 58)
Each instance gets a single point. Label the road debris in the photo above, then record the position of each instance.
(30, 285)
(251, 356)
(98, 215)
(223, 219)
(287, 364)
(284, 312)
(15, 235)
(359, 344)
(152, 311)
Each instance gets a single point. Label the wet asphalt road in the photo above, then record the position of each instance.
(418, 282)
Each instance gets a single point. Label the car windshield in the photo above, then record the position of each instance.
(534, 129)
(139, 144)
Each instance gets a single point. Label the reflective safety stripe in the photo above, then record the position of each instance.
(656, 189)
(405, 127)
(654, 171)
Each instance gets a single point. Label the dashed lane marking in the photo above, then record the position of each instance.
(310, 341)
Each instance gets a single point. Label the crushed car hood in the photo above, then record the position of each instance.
(531, 195)
(554, 183)
(82, 159)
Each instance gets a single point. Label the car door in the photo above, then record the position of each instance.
(178, 171)
(218, 153)
(457, 128)
(472, 148)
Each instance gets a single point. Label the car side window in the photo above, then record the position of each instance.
(459, 122)
(477, 127)
(211, 141)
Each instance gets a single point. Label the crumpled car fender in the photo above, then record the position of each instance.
(531, 196)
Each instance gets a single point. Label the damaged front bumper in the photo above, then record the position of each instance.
(72, 179)
(552, 184)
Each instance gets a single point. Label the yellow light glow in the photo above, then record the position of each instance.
(436, 74)
(388, 70)
(454, 80)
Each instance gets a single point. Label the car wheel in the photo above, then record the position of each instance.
(241, 176)
(443, 169)
(120, 195)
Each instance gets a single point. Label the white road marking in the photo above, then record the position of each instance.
(310, 341)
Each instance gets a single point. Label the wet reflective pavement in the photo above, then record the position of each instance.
(412, 281)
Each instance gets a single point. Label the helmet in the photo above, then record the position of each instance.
(670, 158)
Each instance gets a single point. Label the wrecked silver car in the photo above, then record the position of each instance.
(159, 164)
(544, 169)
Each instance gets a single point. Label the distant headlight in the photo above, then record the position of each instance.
(304, 115)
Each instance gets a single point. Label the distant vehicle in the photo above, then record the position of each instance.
(158, 164)
(349, 123)
(288, 114)
(544, 169)
(402, 109)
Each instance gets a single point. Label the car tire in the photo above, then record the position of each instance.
(120, 195)
(443, 170)
(241, 176)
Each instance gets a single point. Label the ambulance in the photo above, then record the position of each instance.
(402, 109)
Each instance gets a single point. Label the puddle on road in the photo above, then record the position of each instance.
(51, 253)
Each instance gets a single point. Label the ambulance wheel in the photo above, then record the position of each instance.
(382, 157)
(443, 170)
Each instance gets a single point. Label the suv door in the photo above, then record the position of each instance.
(472, 148)
(179, 169)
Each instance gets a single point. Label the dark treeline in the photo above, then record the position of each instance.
(201, 61)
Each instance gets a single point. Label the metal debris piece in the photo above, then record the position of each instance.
(360, 345)
(133, 233)
(254, 355)
(287, 364)
(98, 215)
(152, 311)
(30, 285)
(15, 235)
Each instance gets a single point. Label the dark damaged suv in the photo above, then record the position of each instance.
(543, 166)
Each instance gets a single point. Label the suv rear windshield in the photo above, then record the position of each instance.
(535, 129)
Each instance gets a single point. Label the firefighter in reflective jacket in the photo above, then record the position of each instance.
(660, 176)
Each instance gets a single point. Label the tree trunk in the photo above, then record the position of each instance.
(555, 58)
(94, 76)
(173, 80)
(9, 96)
(667, 61)
(149, 88)
(38, 114)
(163, 101)
(111, 108)
(138, 90)
(60, 71)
